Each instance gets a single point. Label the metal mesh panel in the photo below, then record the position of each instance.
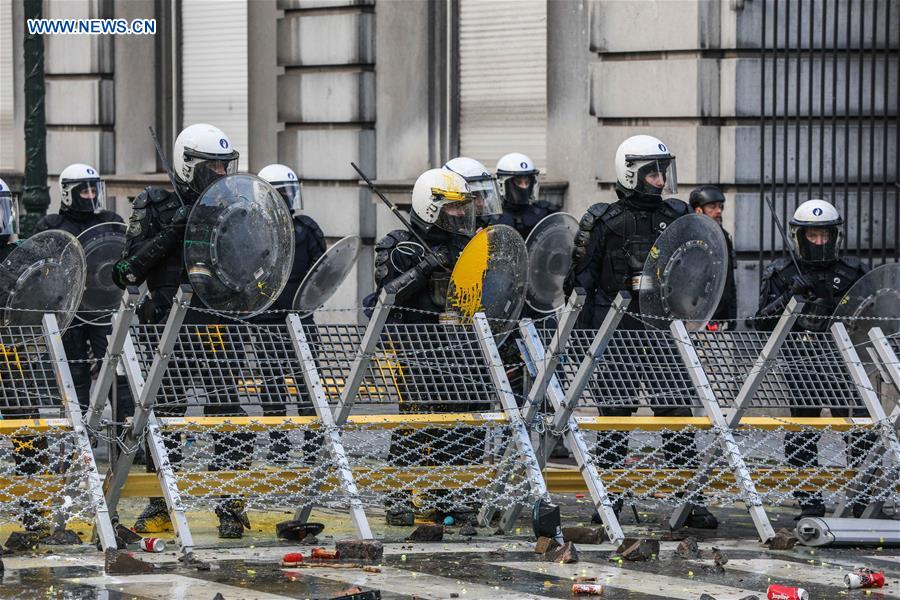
(809, 372)
(226, 368)
(27, 380)
(424, 367)
(728, 358)
(42, 478)
(639, 368)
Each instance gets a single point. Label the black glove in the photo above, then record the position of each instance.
(437, 259)
(800, 286)
(179, 219)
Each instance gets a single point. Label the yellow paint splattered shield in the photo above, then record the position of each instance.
(490, 276)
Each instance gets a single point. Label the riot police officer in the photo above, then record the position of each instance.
(309, 245)
(610, 250)
(443, 214)
(710, 201)
(517, 180)
(8, 221)
(82, 197)
(826, 276)
(154, 252)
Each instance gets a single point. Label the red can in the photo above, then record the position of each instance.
(587, 589)
(325, 554)
(783, 592)
(152, 545)
(864, 578)
(291, 559)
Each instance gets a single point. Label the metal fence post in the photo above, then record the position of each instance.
(332, 434)
(84, 456)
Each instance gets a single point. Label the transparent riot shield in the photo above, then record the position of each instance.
(102, 245)
(44, 274)
(873, 301)
(490, 276)
(684, 274)
(550, 245)
(326, 275)
(239, 245)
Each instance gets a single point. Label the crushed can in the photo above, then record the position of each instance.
(152, 545)
(325, 554)
(864, 578)
(291, 559)
(785, 592)
(587, 589)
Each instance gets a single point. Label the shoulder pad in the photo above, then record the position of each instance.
(852, 264)
(544, 205)
(310, 224)
(49, 222)
(594, 213)
(779, 265)
(150, 195)
(392, 239)
(679, 207)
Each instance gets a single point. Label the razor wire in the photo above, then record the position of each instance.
(43, 479)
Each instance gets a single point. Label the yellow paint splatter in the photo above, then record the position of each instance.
(468, 276)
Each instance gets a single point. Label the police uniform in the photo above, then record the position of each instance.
(725, 316)
(523, 218)
(83, 341)
(829, 283)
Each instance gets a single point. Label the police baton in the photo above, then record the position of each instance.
(165, 165)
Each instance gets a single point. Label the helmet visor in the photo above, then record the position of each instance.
(818, 244)
(208, 170)
(87, 195)
(657, 177)
(456, 215)
(486, 198)
(290, 191)
(8, 221)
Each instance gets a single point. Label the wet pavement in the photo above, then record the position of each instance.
(486, 566)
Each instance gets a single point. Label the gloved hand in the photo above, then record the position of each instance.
(800, 285)
(127, 273)
(180, 218)
(437, 259)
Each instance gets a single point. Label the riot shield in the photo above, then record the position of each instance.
(684, 274)
(239, 245)
(326, 275)
(44, 274)
(102, 245)
(550, 246)
(490, 276)
(873, 301)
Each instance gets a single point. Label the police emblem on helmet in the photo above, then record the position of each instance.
(523, 164)
(817, 211)
(90, 171)
(223, 142)
(662, 148)
(290, 175)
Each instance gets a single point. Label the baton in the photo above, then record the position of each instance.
(165, 164)
(394, 210)
(784, 237)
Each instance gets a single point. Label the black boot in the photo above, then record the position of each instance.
(232, 519)
(811, 505)
(617, 508)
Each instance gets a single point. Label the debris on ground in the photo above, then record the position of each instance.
(587, 589)
(784, 540)
(309, 540)
(23, 541)
(334, 565)
(297, 530)
(565, 554)
(582, 535)
(218, 596)
(688, 548)
(120, 562)
(638, 549)
(468, 530)
(357, 593)
(195, 563)
(125, 536)
(291, 559)
(427, 533)
(544, 544)
(62, 537)
(360, 549)
(719, 557)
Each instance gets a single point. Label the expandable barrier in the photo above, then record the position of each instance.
(48, 476)
(391, 415)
